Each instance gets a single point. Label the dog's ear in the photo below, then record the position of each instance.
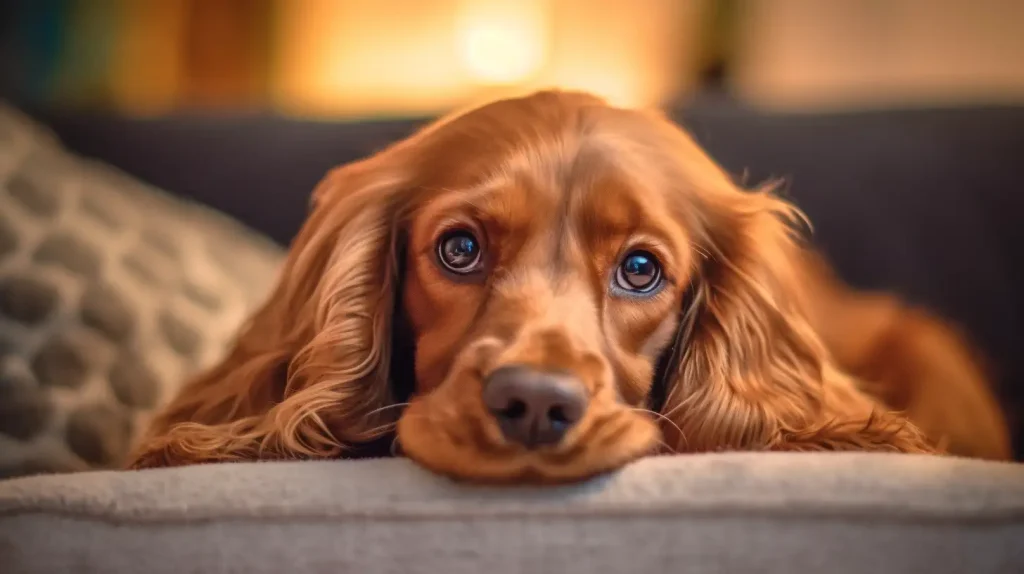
(309, 374)
(747, 371)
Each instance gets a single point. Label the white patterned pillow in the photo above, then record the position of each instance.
(111, 294)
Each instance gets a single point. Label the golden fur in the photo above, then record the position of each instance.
(749, 342)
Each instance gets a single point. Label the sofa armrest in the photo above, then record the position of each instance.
(731, 512)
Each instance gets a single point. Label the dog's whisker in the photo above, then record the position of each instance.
(384, 408)
(672, 423)
(382, 429)
(396, 443)
(704, 253)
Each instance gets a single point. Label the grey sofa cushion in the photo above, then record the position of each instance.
(734, 512)
(111, 294)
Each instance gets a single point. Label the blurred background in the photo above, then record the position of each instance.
(385, 58)
(897, 125)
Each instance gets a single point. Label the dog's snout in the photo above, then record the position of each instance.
(534, 407)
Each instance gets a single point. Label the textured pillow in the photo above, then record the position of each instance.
(111, 294)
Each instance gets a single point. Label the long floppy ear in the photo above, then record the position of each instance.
(308, 376)
(748, 371)
(911, 359)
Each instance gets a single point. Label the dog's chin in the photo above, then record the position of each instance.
(482, 459)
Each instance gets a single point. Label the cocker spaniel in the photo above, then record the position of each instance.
(546, 288)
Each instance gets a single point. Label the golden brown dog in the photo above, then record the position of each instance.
(559, 287)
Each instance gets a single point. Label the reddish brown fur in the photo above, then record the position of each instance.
(557, 186)
(910, 360)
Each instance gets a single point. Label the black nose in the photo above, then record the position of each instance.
(534, 407)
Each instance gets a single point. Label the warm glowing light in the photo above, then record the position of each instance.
(354, 57)
(502, 42)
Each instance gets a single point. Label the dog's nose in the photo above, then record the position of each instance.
(534, 407)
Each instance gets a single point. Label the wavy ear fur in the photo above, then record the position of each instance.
(748, 371)
(308, 376)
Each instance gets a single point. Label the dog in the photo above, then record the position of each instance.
(546, 288)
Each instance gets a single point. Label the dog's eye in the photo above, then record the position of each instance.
(459, 251)
(639, 272)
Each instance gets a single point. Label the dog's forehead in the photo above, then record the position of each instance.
(544, 177)
(561, 137)
(584, 185)
(529, 169)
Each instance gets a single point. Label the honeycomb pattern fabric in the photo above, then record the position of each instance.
(111, 294)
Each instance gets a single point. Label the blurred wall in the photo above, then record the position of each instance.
(348, 58)
(360, 58)
(810, 54)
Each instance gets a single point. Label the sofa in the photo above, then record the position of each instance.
(739, 512)
(130, 250)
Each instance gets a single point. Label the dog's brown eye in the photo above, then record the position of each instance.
(639, 273)
(459, 252)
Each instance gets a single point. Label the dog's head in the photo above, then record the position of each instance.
(556, 287)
